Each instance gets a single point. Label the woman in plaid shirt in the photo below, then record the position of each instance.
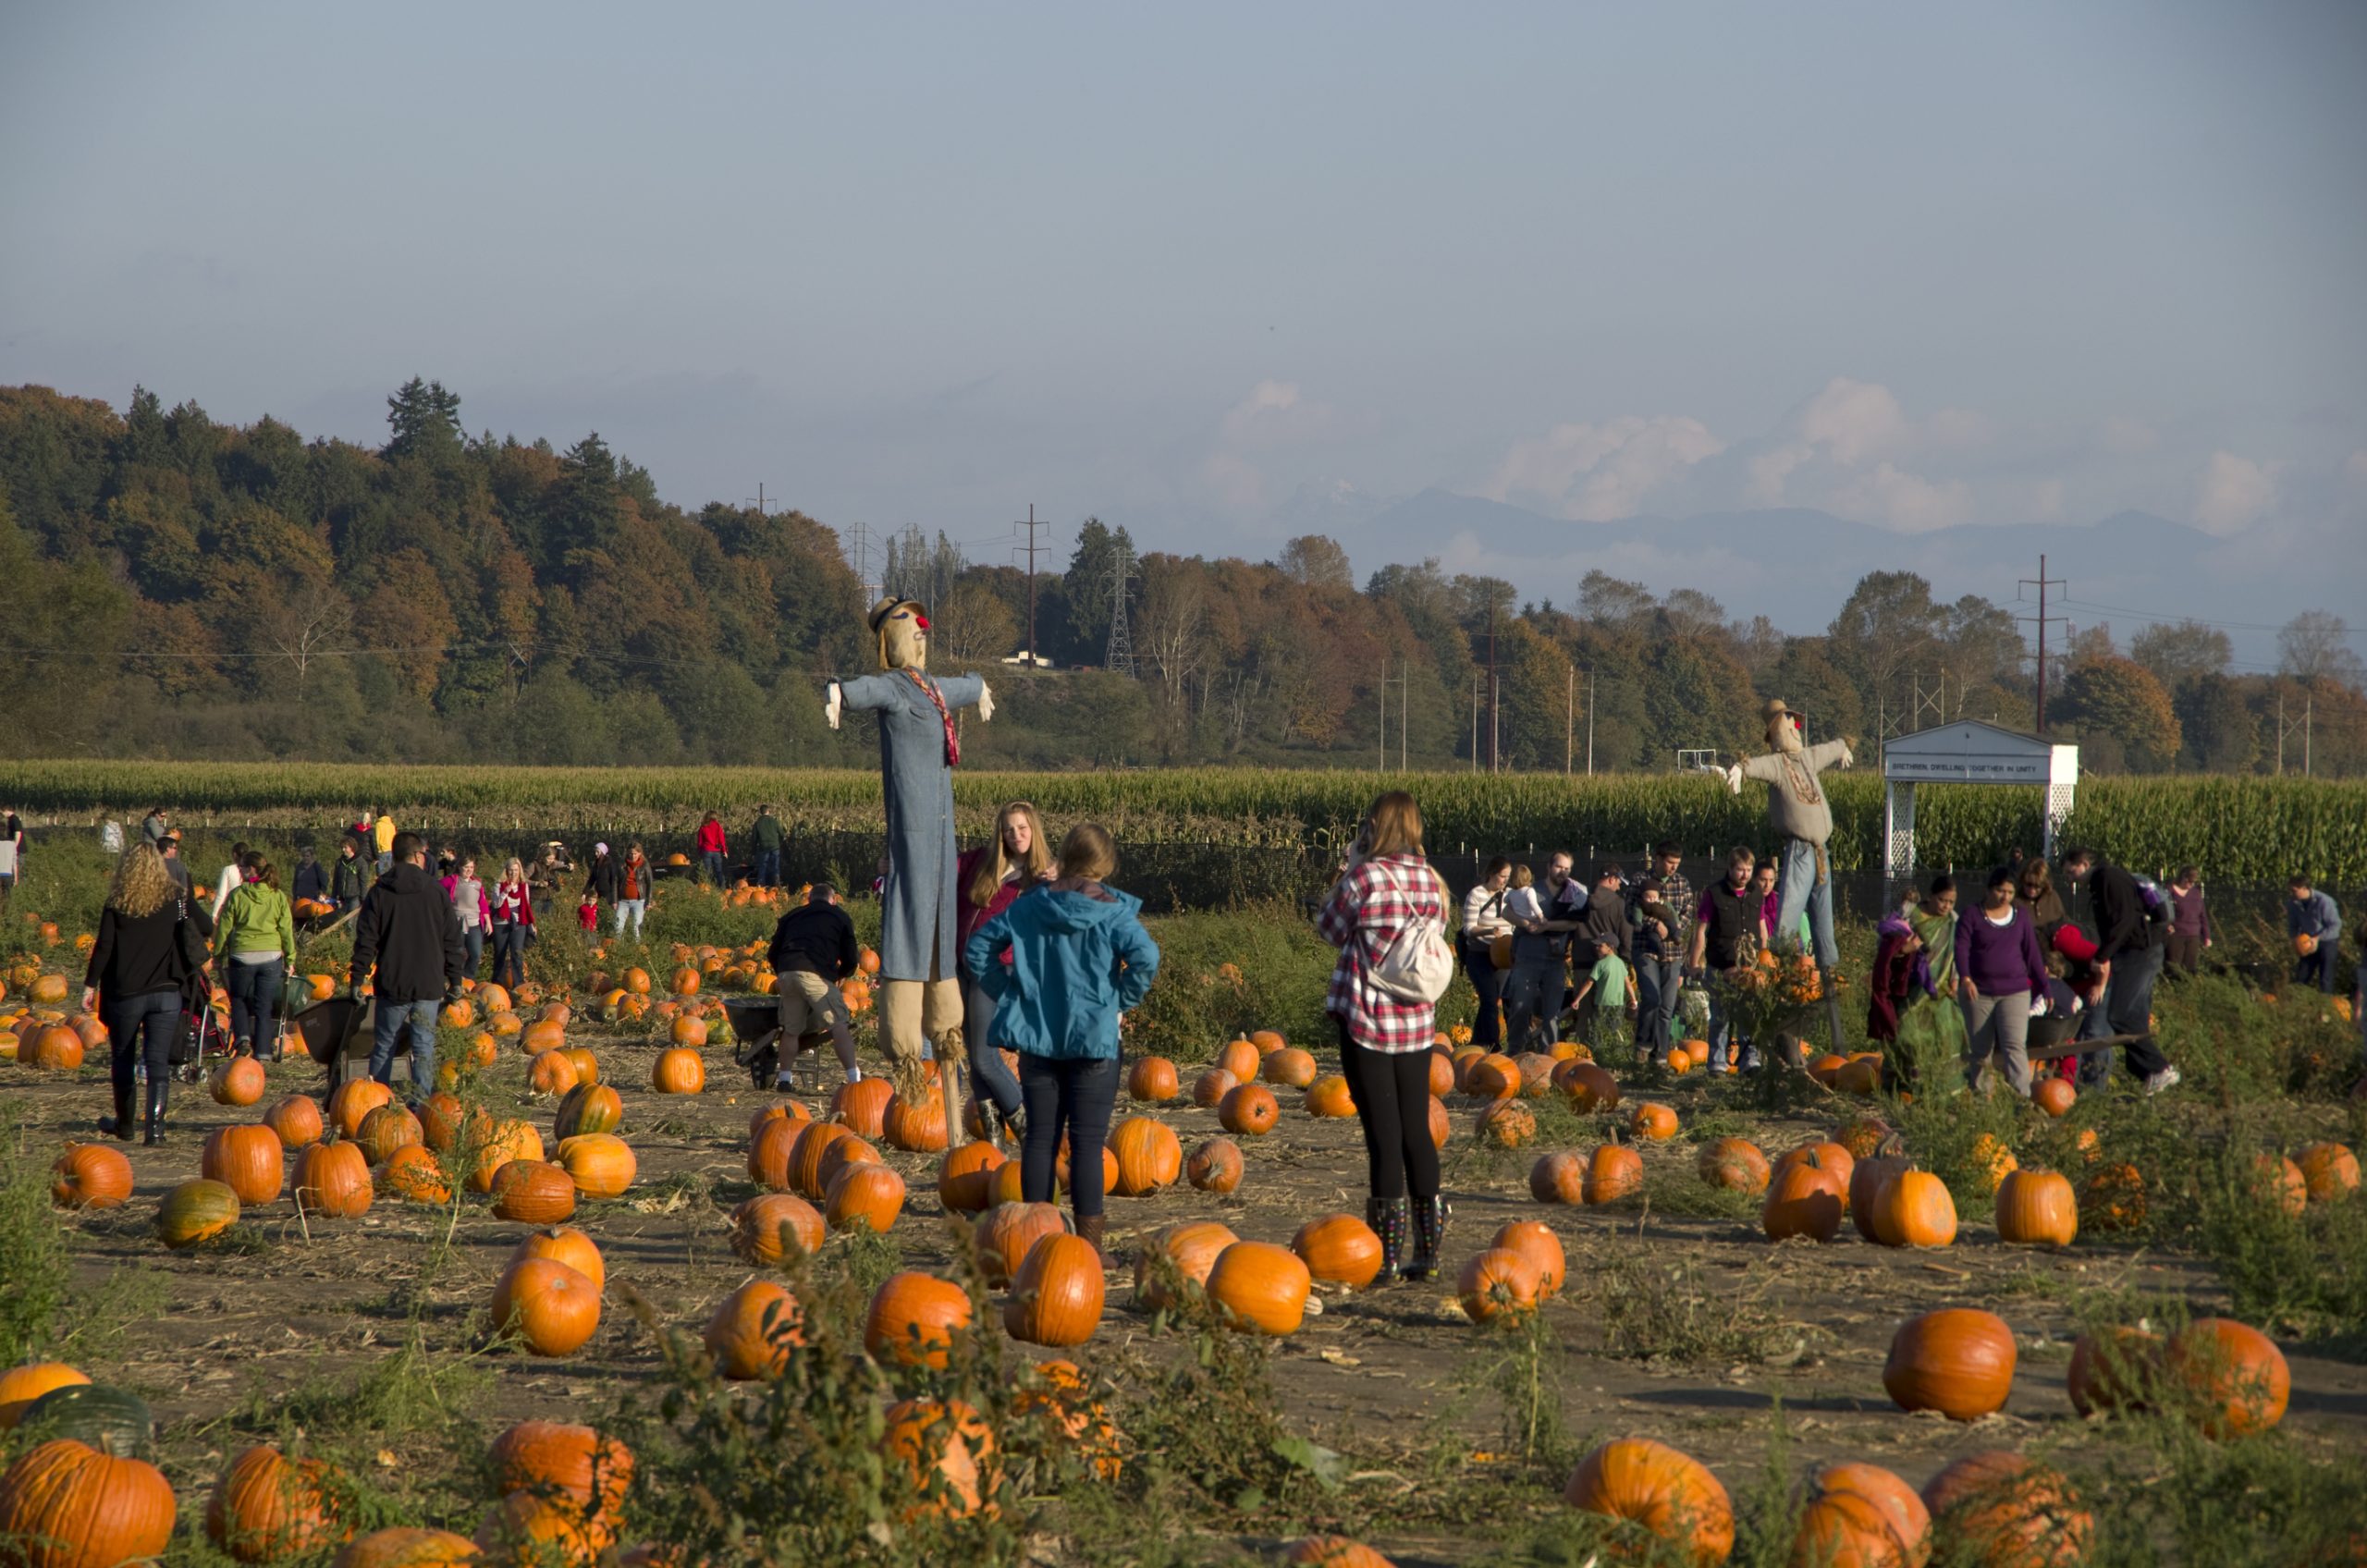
(1385, 1040)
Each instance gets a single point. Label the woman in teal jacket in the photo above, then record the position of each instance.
(1079, 956)
(257, 931)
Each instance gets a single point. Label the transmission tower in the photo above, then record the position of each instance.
(1120, 657)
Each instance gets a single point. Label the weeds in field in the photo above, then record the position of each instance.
(1655, 1306)
(33, 1249)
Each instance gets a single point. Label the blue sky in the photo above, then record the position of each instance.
(1216, 270)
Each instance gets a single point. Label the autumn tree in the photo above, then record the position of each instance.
(2178, 652)
(2120, 698)
(2316, 645)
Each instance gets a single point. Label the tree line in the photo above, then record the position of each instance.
(180, 587)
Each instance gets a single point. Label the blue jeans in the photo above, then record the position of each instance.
(1660, 984)
(1488, 981)
(713, 861)
(473, 939)
(1720, 1032)
(1534, 991)
(155, 1014)
(2317, 968)
(635, 908)
(254, 995)
(768, 871)
(508, 953)
(2128, 1007)
(1805, 893)
(989, 1079)
(389, 1027)
(1069, 1099)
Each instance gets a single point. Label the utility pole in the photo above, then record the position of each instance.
(1030, 525)
(862, 561)
(1405, 708)
(1495, 719)
(1474, 721)
(1590, 721)
(1121, 654)
(2042, 583)
(1569, 719)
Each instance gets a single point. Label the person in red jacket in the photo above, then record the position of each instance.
(712, 848)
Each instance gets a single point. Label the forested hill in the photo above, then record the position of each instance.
(181, 588)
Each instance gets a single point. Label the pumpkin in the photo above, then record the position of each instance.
(1439, 1129)
(1735, 1164)
(914, 1317)
(862, 1107)
(1267, 1041)
(65, 1504)
(1826, 1155)
(686, 979)
(841, 1154)
(1900, 1509)
(46, 990)
(111, 1420)
(246, 1158)
(586, 1065)
(21, 1386)
(551, 1308)
(355, 1098)
(56, 1047)
(1588, 1086)
(1339, 1249)
(2114, 1369)
(562, 1460)
(2276, 1180)
(865, 1193)
(753, 1330)
(1535, 1240)
(1658, 1489)
(2004, 1512)
(1209, 1088)
(1845, 1529)
(565, 1244)
(1913, 1209)
(534, 1192)
(1865, 1185)
(1506, 1124)
(2054, 1095)
(1148, 1156)
(678, 1071)
(334, 1179)
(543, 1036)
(688, 1031)
(238, 1082)
(528, 1530)
(503, 1141)
(779, 1110)
(405, 1547)
(89, 1176)
(1536, 1073)
(805, 1153)
(1007, 1232)
(1864, 1138)
(2037, 1209)
(196, 1211)
(1187, 1251)
(1153, 1078)
(387, 1128)
(1958, 1361)
(1056, 1298)
(1560, 1177)
(415, 1175)
(2114, 1199)
(1289, 1068)
(2232, 1377)
(1493, 1077)
(1614, 1171)
(1803, 1199)
(917, 1126)
(767, 1226)
(966, 1177)
(1442, 1073)
(444, 1120)
(1499, 1282)
(266, 1505)
(601, 1164)
(1329, 1097)
(943, 1447)
(1992, 1162)
(552, 1074)
(1215, 1165)
(769, 1151)
(1062, 1401)
(1652, 1123)
(2330, 1171)
(1249, 1109)
(1336, 1551)
(1241, 1058)
(1259, 1286)
(297, 1120)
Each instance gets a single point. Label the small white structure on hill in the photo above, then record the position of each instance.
(1970, 752)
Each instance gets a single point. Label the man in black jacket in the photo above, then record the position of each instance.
(407, 945)
(813, 950)
(347, 881)
(2129, 958)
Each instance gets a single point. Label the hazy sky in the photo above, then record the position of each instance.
(1216, 270)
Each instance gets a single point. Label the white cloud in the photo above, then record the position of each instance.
(1601, 472)
(1854, 420)
(1895, 498)
(2125, 438)
(1959, 430)
(1272, 417)
(2233, 494)
(1769, 470)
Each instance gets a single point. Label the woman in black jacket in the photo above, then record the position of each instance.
(146, 948)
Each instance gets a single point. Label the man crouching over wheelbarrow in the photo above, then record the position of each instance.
(813, 949)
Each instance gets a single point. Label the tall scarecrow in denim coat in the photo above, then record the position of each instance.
(920, 951)
(1799, 811)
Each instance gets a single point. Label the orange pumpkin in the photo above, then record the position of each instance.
(334, 1179)
(2279, 1182)
(914, 1318)
(21, 1386)
(1007, 1232)
(1614, 1171)
(1499, 1282)
(601, 1164)
(238, 1082)
(1898, 1511)
(1914, 1209)
(196, 1211)
(917, 1126)
(1215, 1165)
(297, 1120)
(355, 1098)
(552, 1074)
(2054, 1095)
(2234, 1380)
(867, 1194)
(564, 1462)
(89, 1176)
(1492, 1077)
(1652, 1123)
(415, 1175)
(1735, 1164)
(1153, 1078)
(387, 1128)
(966, 1177)
(1148, 1156)
(66, 1505)
(1560, 1177)
(551, 1308)
(1865, 1185)
(2116, 1368)
(1590, 1087)
(1334, 1552)
(842, 1153)
(1209, 1088)
(247, 1158)
(1958, 1361)
(1803, 1199)
(678, 1071)
(1329, 1097)
(1056, 1298)
(753, 1330)
(2330, 1171)
(947, 1451)
(2037, 1209)
(1179, 1262)
(1248, 1110)
(1535, 1240)
(2002, 1510)
(1654, 1487)
(403, 1546)
(1288, 1068)
(1339, 1249)
(1506, 1124)
(266, 1505)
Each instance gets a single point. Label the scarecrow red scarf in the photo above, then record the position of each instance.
(952, 741)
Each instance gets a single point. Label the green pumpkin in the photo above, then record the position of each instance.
(107, 1419)
(588, 1108)
(196, 1211)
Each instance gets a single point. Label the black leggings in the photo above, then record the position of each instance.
(1066, 1098)
(1393, 1093)
(1488, 982)
(140, 1028)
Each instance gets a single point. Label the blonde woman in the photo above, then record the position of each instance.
(146, 948)
(509, 912)
(990, 876)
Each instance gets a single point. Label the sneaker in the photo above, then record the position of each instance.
(2165, 1078)
(785, 1084)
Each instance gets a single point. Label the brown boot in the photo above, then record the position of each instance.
(1091, 1227)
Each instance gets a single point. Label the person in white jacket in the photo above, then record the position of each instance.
(1483, 921)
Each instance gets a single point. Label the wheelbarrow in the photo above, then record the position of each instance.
(755, 1033)
(337, 1032)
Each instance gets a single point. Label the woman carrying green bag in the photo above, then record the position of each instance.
(256, 934)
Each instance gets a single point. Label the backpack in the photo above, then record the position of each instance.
(1418, 965)
(2156, 902)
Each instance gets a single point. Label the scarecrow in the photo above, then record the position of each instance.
(1798, 810)
(920, 954)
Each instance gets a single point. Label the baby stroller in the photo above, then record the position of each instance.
(201, 1037)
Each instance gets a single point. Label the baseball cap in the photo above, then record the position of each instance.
(2074, 944)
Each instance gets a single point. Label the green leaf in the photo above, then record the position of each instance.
(1316, 1460)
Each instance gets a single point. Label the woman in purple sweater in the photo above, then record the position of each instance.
(1999, 968)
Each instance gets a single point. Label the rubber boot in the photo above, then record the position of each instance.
(119, 1124)
(159, 1091)
(1091, 1227)
(1430, 1237)
(1389, 1219)
(1013, 1124)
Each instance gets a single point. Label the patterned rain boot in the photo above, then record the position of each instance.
(1389, 1220)
(1430, 1237)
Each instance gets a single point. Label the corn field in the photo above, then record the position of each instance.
(2235, 828)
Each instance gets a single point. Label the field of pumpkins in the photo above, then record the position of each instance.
(598, 1298)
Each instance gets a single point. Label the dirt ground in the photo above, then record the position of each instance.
(1387, 1372)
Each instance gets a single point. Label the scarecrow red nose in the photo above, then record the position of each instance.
(921, 622)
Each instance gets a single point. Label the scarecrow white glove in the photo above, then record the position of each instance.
(985, 701)
(1733, 779)
(830, 706)
(1849, 757)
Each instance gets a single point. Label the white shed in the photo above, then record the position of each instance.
(1970, 752)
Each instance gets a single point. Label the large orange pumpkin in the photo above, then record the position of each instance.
(1339, 1249)
(562, 1459)
(334, 1179)
(1506, 1124)
(1249, 1109)
(1652, 1123)
(2115, 1369)
(1652, 1486)
(355, 1098)
(1914, 1209)
(553, 1309)
(1897, 1506)
(1189, 1251)
(1148, 1156)
(89, 1176)
(2233, 1378)
(1056, 1298)
(813, 1141)
(1329, 1097)
(2330, 1172)
(1215, 1165)
(1958, 1361)
(843, 1152)
(268, 1505)
(1153, 1078)
(2037, 1209)
(55, 1047)
(867, 1194)
(21, 1386)
(415, 1175)
(767, 1227)
(601, 1164)
(1240, 1059)
(238, 1081)
(404, 1545)
(966, 1177)
(1588, 1086)
(66, 1505)
(914, 1318)
(1259, 1286)
(917, 1126)
(247, 1158)
(1803, 1199)
(534, 1192)
(2005, 1512)
(947, 1452)
(753, 1330)
(1560, 1177)
(1289, 1068)
(1614, 1171)
(1007, 1232)
(565, 1244)
(297, 1120)
(387, 1128)
(1865, 1185)
(1535, 1240)
(678, 1071)
(1735, 1164)
(1498, 1283)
